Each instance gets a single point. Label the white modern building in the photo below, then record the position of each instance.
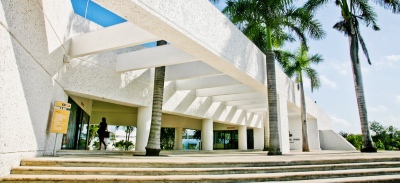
(215, 78)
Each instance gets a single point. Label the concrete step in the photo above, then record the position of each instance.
(173, 163)
(261, 177)
(51, 170)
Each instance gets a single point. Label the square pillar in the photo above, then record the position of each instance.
(258, 134)
(242, 133)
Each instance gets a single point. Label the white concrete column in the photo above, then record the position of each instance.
(258, 138)
(207, 133)
(242, 133)
(283, 124)
(265, 130)
(143, 128)
(178, 138)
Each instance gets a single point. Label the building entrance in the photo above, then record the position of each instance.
(76, 137)
(226, 139)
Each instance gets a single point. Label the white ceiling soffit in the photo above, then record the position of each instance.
(224, 90)
(114, 37)
(152, 57)
(189, 70)
(236, 97)
(206, 82)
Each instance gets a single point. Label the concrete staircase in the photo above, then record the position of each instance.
(176, 169)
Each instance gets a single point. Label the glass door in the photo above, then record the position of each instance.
(76, 137)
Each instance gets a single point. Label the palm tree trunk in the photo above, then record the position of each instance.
(153, 144)
(274, 141)
(368, 145)
(304, 128)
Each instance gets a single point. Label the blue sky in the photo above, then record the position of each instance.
(336, 96)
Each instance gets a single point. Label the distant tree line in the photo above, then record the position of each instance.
(385, 138)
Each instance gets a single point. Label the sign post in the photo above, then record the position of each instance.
(59, 122)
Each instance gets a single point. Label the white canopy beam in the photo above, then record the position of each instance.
(241, 96)
(189, 70)
(115, 37)
(252, 106)
(262, 100)
(224, 90)
(205, 82)
(152, 57)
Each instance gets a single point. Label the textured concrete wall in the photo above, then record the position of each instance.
(27, 64)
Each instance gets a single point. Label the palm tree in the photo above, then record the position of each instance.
(153, 144)
(353, 13)
(263, 22)
(294, 65)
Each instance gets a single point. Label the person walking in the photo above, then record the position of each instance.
(102, 132)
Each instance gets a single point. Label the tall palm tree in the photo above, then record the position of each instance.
(353, 13)
(263, 22)
(294, 65)
(153, 144)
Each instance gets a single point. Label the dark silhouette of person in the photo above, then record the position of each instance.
(102, 132)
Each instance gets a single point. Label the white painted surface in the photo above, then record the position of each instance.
(152, 57)
(333, 141)
(242, 134)
(178, 138)
(114, 37)
(143, 128)
(207, 134)
(34, 38)
(283, 125)
(258, 134)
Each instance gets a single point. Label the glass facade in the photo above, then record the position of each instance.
(227, 139)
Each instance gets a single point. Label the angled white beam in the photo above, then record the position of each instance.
(246, 102)
(252, 106)
(118, 36)
(152, 57)
(224, 90)
(189, 70)
(241, 96)
(205, 82)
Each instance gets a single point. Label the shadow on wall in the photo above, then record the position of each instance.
(34, 91)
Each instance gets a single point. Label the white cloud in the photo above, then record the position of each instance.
(379, 108)
(391, 61)
(398, 99)
(327, 82)
(340, 122)
(342, 68)
(393, 58)
(393, 120)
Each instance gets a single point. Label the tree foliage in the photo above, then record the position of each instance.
(385, 138)
(167, 138)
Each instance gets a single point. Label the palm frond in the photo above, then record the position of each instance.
(393, 5)
(342, 26)
(313, 5)
(316, 58)
(313, 76)
(285, 59)
(363, 46)
(365, 12)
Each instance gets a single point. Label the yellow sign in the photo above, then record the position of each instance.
(62, 104)
(59, 123)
